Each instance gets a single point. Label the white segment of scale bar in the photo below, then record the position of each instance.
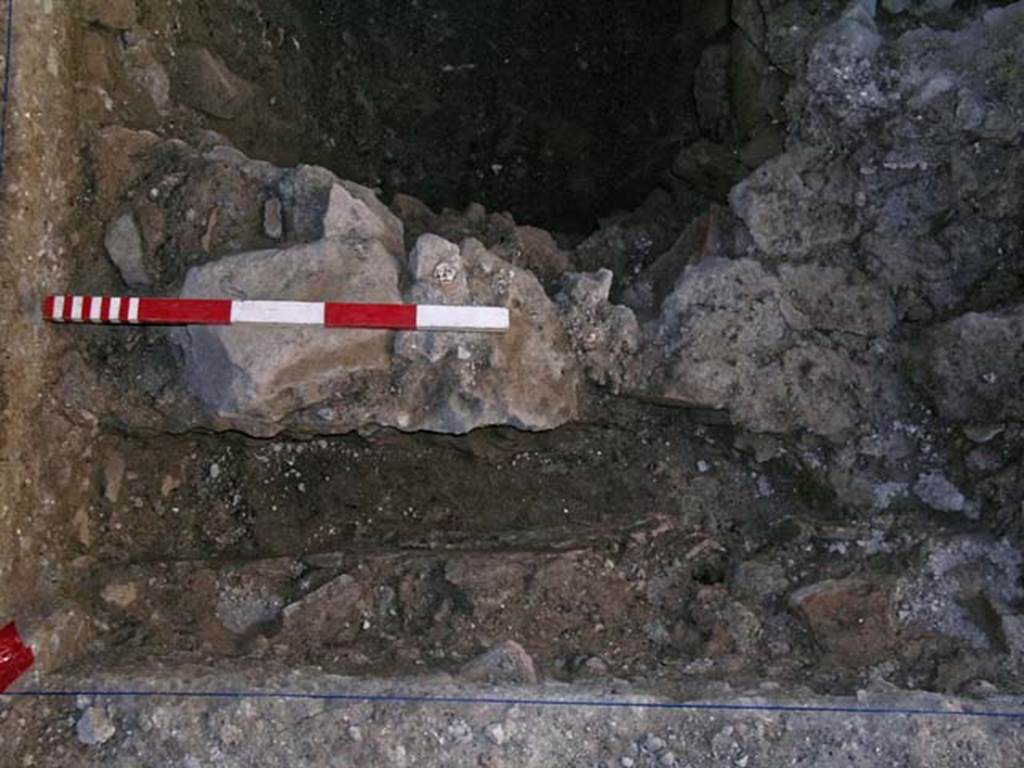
(441, 318)
(282, 312)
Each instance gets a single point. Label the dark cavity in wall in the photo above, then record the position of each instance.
(559, 112)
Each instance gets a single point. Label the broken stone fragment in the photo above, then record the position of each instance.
(264, 380)
(507, 662)
(527, 377)
(273, 223)
(710, 168)
(730, 338)
(121, 594)
(938, 493)
(749, 16)
(147, 73)
(496, 734)
(605, 336)
(711, 94)
(244, 603)
(113, 477)
(970, 366)
(354, 211)
(95, 727)
(416, 216)
(331, 614)
(850, 618)
(259, 375)
(983, 433)
(964, 588)
(436, 266)
(58, 636)
(760, 581)
(539, 253)
(124, 246)
(118, 155)
(203, 81)
(792, 211)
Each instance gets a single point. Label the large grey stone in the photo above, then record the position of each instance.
(799, 203)
(455, 382)
(506, 662)
(267, 380)
(256, 376)
(733, 336)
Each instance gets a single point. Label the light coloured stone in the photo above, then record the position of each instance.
(120, 594)
(938, 493)
(113, 477)
(265, 380)
(273, 223)
(354, 211)
(124, 246)
(95, 727)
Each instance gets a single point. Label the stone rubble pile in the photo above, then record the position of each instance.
(855, 299)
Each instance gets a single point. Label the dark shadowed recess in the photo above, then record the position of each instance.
(557, 111)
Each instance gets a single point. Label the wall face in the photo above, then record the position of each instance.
(42, 466)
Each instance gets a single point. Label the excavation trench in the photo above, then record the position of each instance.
(703, 466)
(555, 116)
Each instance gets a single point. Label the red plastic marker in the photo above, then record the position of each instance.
(15, 656)
(114, 310)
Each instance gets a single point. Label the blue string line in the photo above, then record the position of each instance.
(563, 703)
(9, 49)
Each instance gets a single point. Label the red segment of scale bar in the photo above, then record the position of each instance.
(15, 656)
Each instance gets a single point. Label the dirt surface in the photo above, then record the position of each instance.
(316, 732)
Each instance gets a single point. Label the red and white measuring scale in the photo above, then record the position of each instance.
(123, 310)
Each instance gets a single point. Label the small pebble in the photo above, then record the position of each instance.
(273, 220)
(654, 744)
(495, 733)
(94, 727)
